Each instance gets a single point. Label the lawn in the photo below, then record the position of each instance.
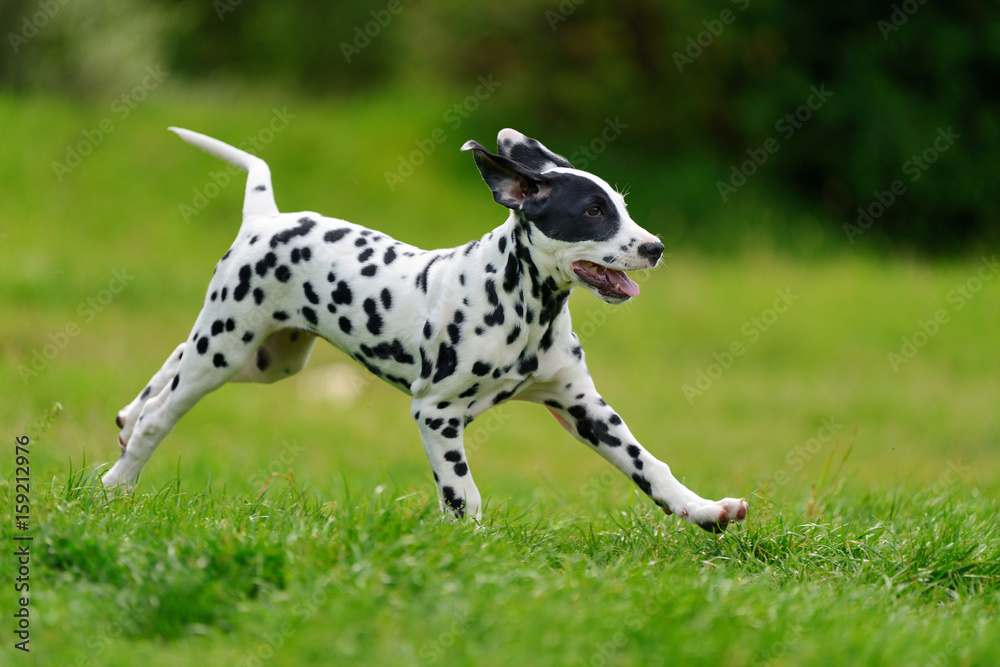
(852, 398)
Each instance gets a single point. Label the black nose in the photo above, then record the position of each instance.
(651, 251)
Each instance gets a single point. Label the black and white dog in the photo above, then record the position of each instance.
(460, 330)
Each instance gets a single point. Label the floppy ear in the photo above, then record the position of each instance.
(512, 183)
(530, 152)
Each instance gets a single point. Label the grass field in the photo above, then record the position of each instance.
(872, 478)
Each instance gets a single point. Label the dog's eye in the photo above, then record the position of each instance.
(594, 211)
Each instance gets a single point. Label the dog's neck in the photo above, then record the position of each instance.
(519, 279)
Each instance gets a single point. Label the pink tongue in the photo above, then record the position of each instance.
(622, 282)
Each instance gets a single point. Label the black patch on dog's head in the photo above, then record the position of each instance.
(564, 207)
(573, 208)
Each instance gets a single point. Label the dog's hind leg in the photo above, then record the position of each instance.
(128, 415)
(199, 372)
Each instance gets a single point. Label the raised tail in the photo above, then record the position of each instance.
(259, 199)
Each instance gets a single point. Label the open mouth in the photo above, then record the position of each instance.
(610, 283)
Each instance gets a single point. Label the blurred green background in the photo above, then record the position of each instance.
(698, 89)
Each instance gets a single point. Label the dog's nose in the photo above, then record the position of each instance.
(651, 251)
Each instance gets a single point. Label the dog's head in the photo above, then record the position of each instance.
(583, 221)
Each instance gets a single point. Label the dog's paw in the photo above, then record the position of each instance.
(122, 477)
(714, 516)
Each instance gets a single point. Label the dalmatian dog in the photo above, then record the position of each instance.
(460, 330)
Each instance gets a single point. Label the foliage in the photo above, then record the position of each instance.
(693, 82)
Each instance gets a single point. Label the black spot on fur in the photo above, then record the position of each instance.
(247, 337)
(310, 293)
(244, 286)
(222, 296)
(449, 432)
(267, 262)
(389, 256)
(335, 235)
(374, 323)
(219, 360)
(426, 367)
(263, 359)
(470, 392)
(310, 315)
(345, 325)
(203, 346)
(217, 327)
(447, 362)
(456, 504)
(461, 469)
(361, 242)
(595, 431)
(280, 315)
(421, 281)
(386, 298)
(427, 329)
(496, 316)
(283, 273)
(481, 368)
(369, 270)
(527, 365)
(177, 379)
(342, 295)
(260, 188)
(365, 254)
(258, 295)
(304, 227)
(642, 483)
(453, 456)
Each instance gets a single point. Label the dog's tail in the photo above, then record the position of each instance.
(259, 201)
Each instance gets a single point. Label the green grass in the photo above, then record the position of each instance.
(344, 559)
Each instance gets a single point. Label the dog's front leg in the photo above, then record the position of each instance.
(441, 431)
(576, 404)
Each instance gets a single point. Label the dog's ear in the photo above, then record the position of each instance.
(512, 183)
(530, 152)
